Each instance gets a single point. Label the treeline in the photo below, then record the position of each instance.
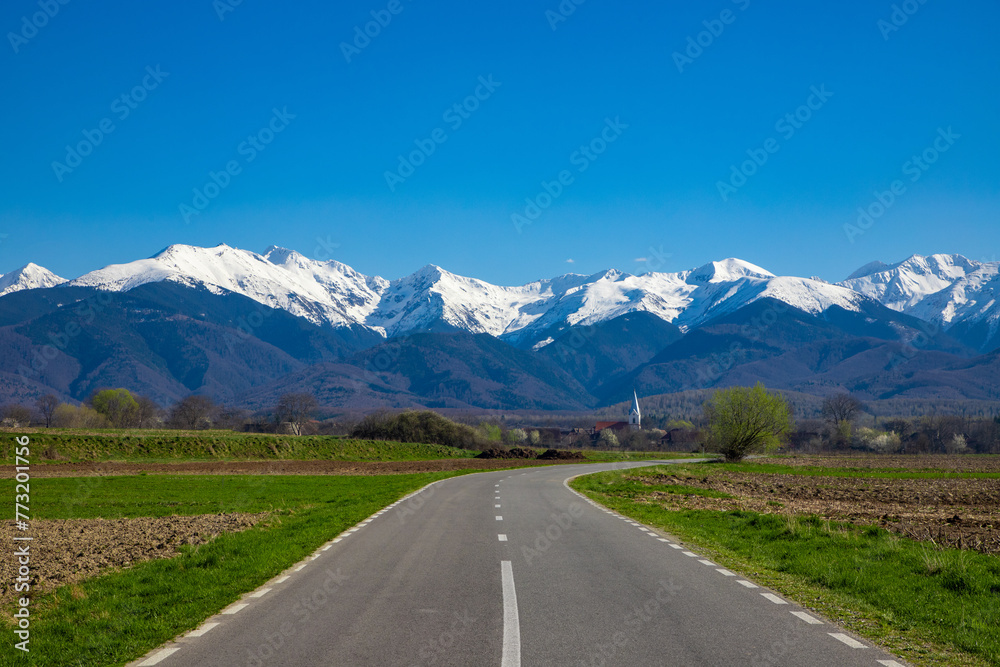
(121, 409)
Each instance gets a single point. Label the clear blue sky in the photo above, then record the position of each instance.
(652, 194)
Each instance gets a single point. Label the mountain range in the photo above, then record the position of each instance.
(244, 327)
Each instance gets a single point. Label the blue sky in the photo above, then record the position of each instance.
(889, 91)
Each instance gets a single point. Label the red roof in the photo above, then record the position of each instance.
(615, 426)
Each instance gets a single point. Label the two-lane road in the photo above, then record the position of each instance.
(511, 568)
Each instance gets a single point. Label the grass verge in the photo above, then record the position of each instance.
(820, 471)
(932, 607)
(117, 617)
(55, 445)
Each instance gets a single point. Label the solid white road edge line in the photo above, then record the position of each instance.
(157, 657)
(511, 656)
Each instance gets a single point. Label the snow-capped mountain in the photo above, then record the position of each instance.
(321, 292)
(947, 290)
(30, 276)
(433, 298)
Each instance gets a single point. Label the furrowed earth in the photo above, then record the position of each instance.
(66, 551)
(960, 513)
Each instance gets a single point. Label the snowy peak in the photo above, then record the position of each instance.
(727, 270)
(322, 292)
(905, 285)
(29, 276)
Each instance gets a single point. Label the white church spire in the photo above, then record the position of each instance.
(634, 416)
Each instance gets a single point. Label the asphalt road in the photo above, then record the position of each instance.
(511, 568)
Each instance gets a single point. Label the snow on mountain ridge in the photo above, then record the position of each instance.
(432, 298)
(29, 276)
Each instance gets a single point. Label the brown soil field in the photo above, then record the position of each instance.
(66, 551)
(938, 462)
(961, 513)
(270, 467)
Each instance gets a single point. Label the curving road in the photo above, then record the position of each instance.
(511, 568)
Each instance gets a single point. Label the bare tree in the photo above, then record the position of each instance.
(296, 409)
(192, 412)
(15, 415)
(841, 408)
(148, 413)
(47, 407)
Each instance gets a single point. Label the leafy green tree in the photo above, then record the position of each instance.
(118, 405)
(744, 420)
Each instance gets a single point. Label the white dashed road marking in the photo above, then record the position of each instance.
(850, 641)
(707, 562)
(773, 598)
(811, 620)
(890, 663)
(676, 546)
(198, 632)
(261, 593)
(725, 573)
(502, 537)
(300, 567)
(690, 554)
(157, 657)
(511, 656)
(283, 579)
(499, 518)
(236, 608)
(496, 506)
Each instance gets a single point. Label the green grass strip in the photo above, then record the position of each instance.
(118, 617)
(932, 607)
(54, 445)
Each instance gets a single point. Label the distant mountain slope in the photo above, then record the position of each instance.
(600, 352)
(476, 370)
(164, 340)
(787, 348)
